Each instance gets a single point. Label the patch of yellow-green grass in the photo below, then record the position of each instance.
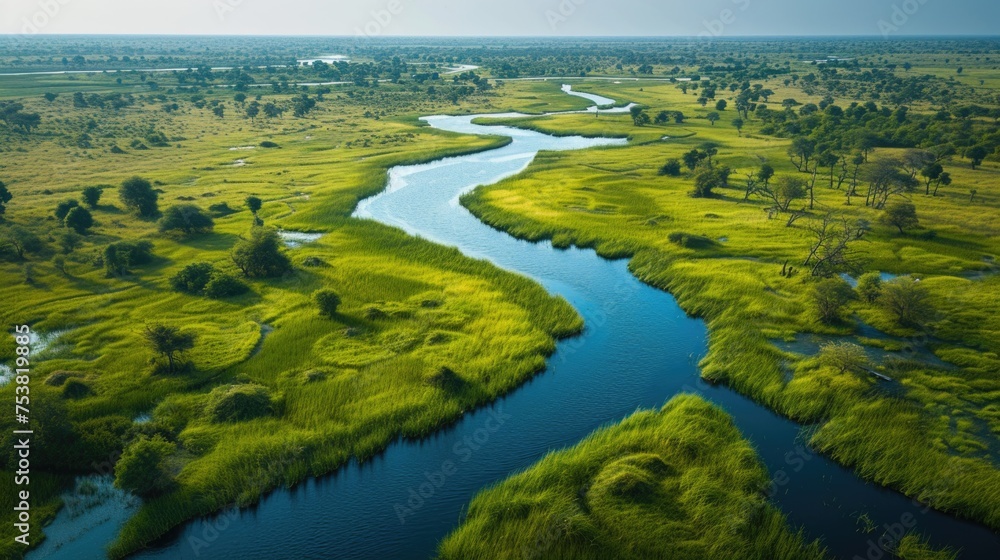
(341, 388)
(679, 483)
(614, 200)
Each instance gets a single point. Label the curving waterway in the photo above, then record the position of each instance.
(638, 350)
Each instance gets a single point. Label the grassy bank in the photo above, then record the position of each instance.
(676, 483)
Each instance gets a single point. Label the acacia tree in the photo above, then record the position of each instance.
(801, 152)
(931, 173)
(168, 342)
(900, 215)
(738, 125)
(886, 180)
(977, 154)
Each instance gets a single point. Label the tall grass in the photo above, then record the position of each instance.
(679, 483)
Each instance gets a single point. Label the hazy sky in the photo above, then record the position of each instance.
(503, 17)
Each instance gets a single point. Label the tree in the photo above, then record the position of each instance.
(92, 196)
(328, 302)
(118, 257)
(50, 97)
(738, 124)
(931, 173)
(20, 240)
(63, 208)
(900, 215)
(260, 256)
(79, 220)
(137, 195)
(765, 174)
(713, 117)
(721, 105)
(671, 169)
(710, 150)
(219, 111)
(692, 159)
(678, 117)
(801, 152)
(977, 154)
(830, 296)
(844, 357)
(254, 204)
(705, 182)
(186, 218)
(832, 250)
(142, 467)
(193, 278)
(663, 117)
(168, 342)
(252, 110)
(943, 181)
(886, 180)
(906, 300)
(5, 197)
(870, 287)
(787, 189)
(639, 116)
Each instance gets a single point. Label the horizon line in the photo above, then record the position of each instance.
(526, 36)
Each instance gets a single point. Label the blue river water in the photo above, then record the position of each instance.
(638, 350)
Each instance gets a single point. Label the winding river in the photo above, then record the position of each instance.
(638, 350)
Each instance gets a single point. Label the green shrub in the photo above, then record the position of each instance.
(260, 256)
(328, 302)
(142, 468)
(79, 220)
(830, 296)
(224, 286)
(76, 389)
(870, 287)
(137, 195)
(671, 169)
(193, 279)
(239, 403)
(186, 218)
(63, 208)
(92, 195)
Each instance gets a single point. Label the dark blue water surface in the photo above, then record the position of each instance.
(638, 350)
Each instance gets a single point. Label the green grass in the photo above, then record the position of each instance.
(679, 483)
(945, 423)
(343, 388)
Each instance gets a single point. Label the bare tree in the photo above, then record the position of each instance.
(832, 251)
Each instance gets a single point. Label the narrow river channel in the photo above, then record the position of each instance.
(639, 349)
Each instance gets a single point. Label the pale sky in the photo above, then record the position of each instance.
(731, 18)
